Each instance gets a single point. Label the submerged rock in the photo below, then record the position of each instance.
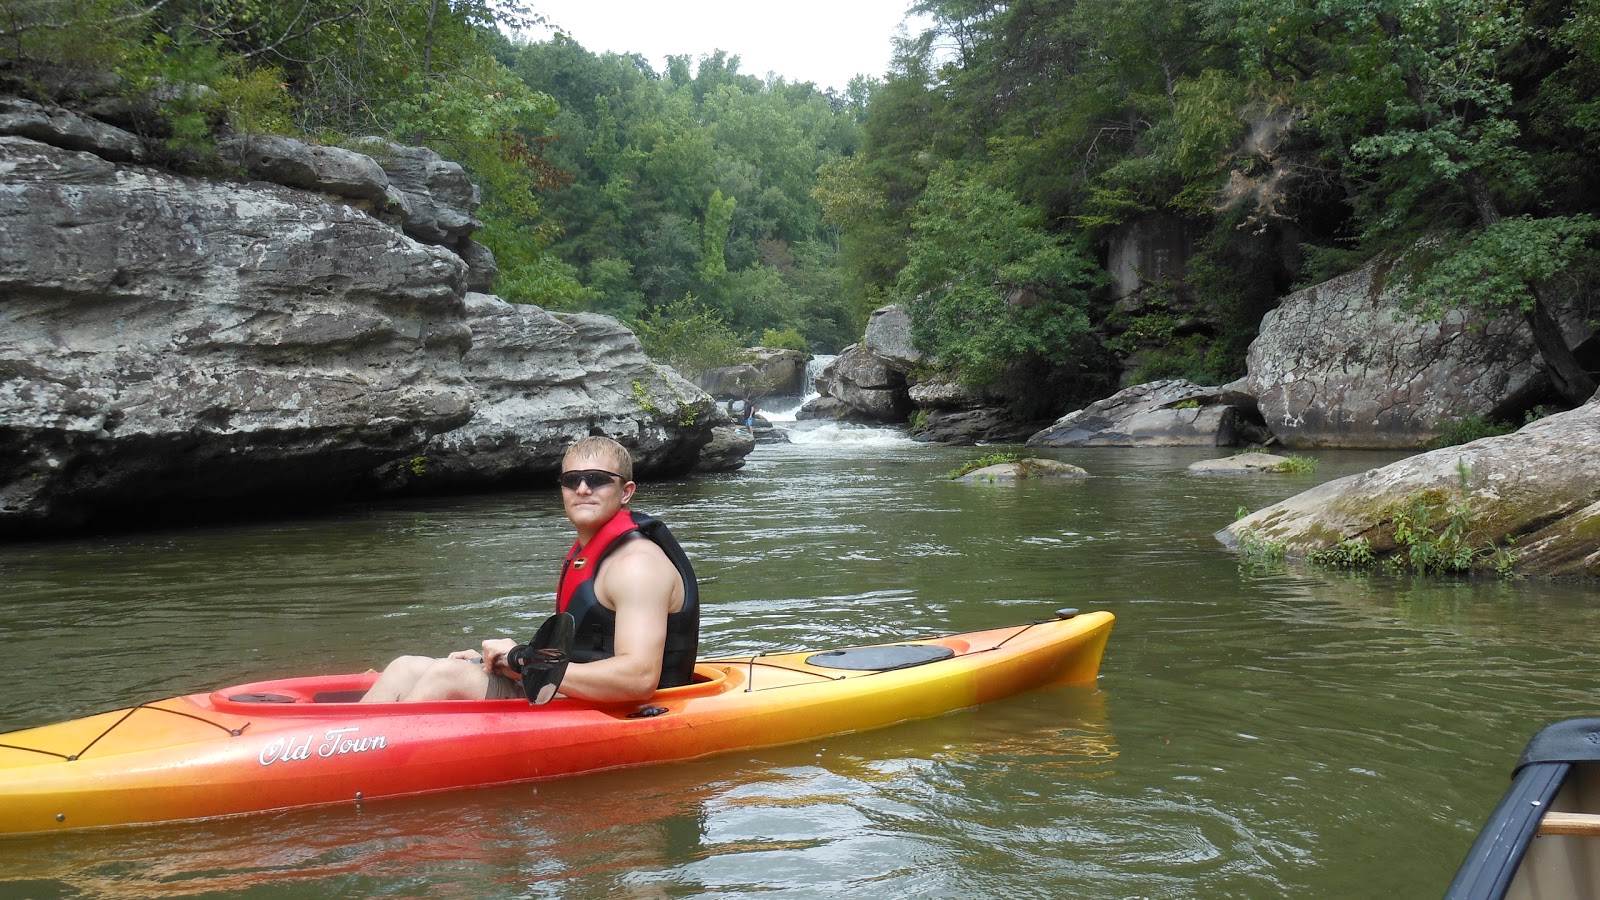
(1240, 464)
(1022, 469)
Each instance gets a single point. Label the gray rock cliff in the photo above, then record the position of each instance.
(543, 380)
(168, 340)
(1341, 364)
(171, 346)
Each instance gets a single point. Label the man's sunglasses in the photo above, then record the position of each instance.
(594, 478)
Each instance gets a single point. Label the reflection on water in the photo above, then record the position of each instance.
(1256, 732)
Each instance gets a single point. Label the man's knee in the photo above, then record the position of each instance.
(450, 679)
(413, 666)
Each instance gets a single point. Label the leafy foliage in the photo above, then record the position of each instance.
(1497, 267)
(786, 339)
(332, 70)
(988, 286)
(983, 181)
(1297, 464)
(988, 459)
(688, 337)
(1433, 535)
(696, 181)
(1465, 430)
(1297, 138)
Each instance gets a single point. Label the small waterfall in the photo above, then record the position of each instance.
(814, 367)
(841, 436)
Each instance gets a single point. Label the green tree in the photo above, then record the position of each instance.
(989, 288)
(719, 213)
(656, 163)
(687, 336)
(1453, 156)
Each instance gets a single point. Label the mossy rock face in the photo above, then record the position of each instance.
(1004, 473)
(1536, 490)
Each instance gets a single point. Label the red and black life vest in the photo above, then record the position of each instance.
(595, 628)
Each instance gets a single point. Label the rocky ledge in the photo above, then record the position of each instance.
(1529, 501)
(175, 347)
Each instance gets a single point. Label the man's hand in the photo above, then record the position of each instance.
(494, 658)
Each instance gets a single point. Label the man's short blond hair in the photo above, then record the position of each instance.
(600, 445)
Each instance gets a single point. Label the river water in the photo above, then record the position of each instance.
(1256, 731)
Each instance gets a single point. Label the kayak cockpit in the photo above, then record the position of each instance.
(314, 695)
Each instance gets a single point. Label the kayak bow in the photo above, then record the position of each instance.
(304, 742)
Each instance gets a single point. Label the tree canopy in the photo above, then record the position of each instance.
(982, 181)
(1294, 137)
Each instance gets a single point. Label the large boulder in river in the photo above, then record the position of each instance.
(1538, 487)
(170, 342)
(765, 372)
(727, 382)
(172, 347)
(863, 383)
(1172, 413)
(727, 449)
(543, 380)
(781, 372)
(1343, 364)
(888, 337)
(985, 425)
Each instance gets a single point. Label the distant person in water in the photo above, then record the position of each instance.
(747, 410)
(627, 583)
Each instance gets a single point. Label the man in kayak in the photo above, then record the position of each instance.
(638, 615)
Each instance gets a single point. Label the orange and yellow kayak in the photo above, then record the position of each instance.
(304, 742)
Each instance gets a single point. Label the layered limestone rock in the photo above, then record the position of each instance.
(729, 446)
(412, 188)
(168, 340)
(888, 337)
(867, 382)
(971, 426)
(867, 386)
(543, 380)
(1538, 488)
(768, 372)
(171, 346)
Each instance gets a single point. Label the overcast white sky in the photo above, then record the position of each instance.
(824, 41)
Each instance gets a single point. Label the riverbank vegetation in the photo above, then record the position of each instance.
(1293, 140)
(981, 181)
